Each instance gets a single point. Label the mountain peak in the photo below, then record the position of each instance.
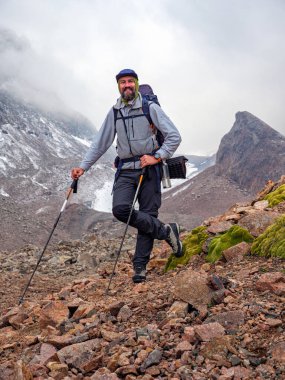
(251, 153)
(248, 121)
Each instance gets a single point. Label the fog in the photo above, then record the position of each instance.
(206, 60)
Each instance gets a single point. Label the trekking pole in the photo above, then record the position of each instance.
(126, 228)
(72, 189)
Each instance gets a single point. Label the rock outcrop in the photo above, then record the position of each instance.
(251, 153)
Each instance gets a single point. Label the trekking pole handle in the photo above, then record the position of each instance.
(74, 186)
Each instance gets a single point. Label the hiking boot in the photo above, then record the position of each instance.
(140, 275)
(173, 239)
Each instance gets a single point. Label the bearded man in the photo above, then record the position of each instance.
(137, 148)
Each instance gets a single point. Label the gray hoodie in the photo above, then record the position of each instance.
(135, 137)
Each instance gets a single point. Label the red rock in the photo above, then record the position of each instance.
(153, 371)
(141, 288)
(30, 340)
(208, 331)
(5, 318)
(182, 347)
(218, 346)
(115, 307)
(191, 287)
(237, 252)
(278, 352)
(273, 322)
(178, 309)
(17, 320)
(92, 364)
(123, 360)
(22, 372)
(79, 354)
(219, 227)
(189, 334)
(84, 311)
(112, 364)
(266, 371)
(39, 371)
(53, 314)
(64, 293)
(242, 373)
(274, 281)
(258, 220)
(123, 371)
(110, 335)
(104, 374)
(124, 314)
(230, 320)
(60, 341)
(7, 371)
(58, 371)
(261, 205)
(47, 353)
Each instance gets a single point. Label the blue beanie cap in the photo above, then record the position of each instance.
(126, 73)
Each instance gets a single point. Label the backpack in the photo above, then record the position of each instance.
(149, 97)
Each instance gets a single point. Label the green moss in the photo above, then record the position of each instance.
(276, 196)
(272, 242)
(192, 245)
(233, 236)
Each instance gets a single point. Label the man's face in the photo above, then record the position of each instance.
(127, 88)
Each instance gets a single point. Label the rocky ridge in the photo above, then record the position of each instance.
(200, 321)
(248, 156)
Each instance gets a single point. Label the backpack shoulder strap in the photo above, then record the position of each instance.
(115, 110)
(145, 109)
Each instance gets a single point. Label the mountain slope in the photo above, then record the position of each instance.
(37, 151)
(249, 155)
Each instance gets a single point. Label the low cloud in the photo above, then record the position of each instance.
(205, 60)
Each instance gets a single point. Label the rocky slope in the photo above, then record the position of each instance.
(202, 196)
(38, 149)
(223, 320)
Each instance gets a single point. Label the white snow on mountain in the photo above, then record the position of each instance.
(3, 193)
(103, 196)
(83, 141)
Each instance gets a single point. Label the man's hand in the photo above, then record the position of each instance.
(147, 160)
(76, 173)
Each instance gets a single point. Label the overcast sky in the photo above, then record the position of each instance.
(205, 59)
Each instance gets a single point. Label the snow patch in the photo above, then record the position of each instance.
(2, 166)
(179, 191)
(42, 209)
(103, 198)
(2, 192)
(39, 184)
(82, 141)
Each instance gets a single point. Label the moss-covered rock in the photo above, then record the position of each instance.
(192, 245)
(272, 242)
(233, 236)
(276, 196)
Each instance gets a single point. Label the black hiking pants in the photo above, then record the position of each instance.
(144, 219)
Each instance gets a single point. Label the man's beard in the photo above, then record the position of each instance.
(130, 95)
